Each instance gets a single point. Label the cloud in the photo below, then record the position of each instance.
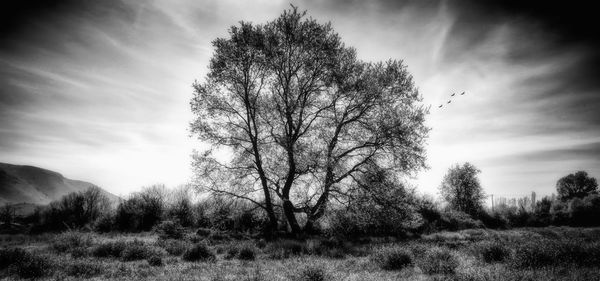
(99, 90)
(90, 85)
(588, 152)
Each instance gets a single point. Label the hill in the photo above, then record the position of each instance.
(37, 186)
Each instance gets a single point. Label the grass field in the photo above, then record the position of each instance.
(553, 253)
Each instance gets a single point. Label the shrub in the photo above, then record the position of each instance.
(102, 251)
(521, 218)
(542, 211)
(248, 221)
(199, 252)
(137, 250)
(84, 269)
(221, 214)
(312, 273)
(127, 251)
(232, 251)
(395, 259)
(583, 253)
(494, 220)
(201, 214)
(79, 252)
(293, 247)
(261, 244)
(585, 211)
(194, 239)
(155, 261)
(493, 251)
(104, 223)
(331, 248)
(174, 247)
(429, 212)
(31, 266)
(12, 256)
(180, 206)
(69, 240)
(170, 230)
(534, 255)
(456, 220)
(382, 211)
(239, 235)
(286, 248)
(418, 250)
(74, 210)
(439, 261)
(219, 236)
(142, 211)
(335, 253)
(247, 253)
(545, 252)
(559, 212)
(203, 232)
(109, 249)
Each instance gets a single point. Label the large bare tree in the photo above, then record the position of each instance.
(293, 117)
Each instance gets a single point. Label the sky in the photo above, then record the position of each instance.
(99, 90)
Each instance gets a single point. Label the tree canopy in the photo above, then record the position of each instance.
(293, 117)
(462, 190)
(576, 185)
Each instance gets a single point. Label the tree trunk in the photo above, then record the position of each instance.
(318, 210)
(288, 207)
(269, 207)
(316, 213)
(288, 210)
(251, 123)
(309, 227)
(268, 201)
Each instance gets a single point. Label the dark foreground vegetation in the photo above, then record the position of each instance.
(160, 235)
(551, 253)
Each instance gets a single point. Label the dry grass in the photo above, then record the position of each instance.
(297, 260)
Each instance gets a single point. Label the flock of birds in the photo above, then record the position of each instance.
(450, 100)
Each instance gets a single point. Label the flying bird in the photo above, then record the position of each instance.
(453, 94)
(449, 101)
(462, 93)
(440, 106)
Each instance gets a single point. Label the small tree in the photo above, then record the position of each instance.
(576, 185)
(542, 211)
(180, 206)
(143, 210)
(75, 209)
(7, 214)
(95, 204)
(462, 190)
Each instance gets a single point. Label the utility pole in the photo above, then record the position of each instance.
(492, 202)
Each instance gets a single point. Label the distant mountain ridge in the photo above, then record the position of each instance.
(33, 185)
